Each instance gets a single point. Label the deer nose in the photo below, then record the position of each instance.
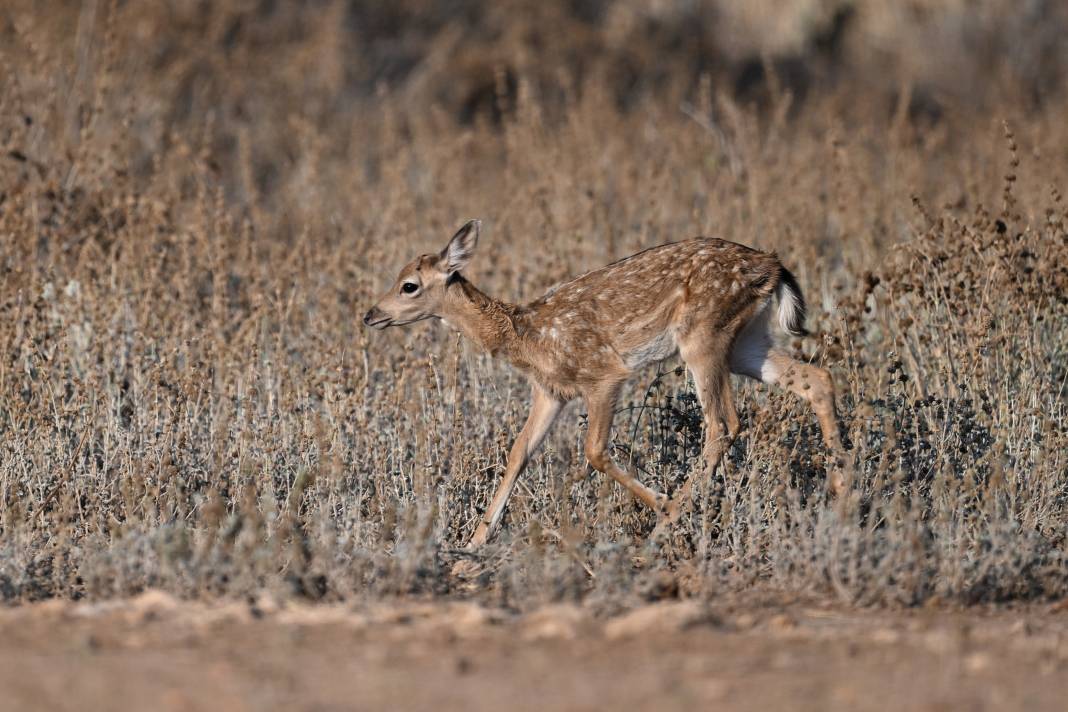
(367, 317)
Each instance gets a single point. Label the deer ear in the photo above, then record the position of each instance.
(461, 247)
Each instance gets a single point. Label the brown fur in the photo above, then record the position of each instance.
(584, 338)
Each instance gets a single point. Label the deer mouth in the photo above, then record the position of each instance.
(376, 319)
(379, 320)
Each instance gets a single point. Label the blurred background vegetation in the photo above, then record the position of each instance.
(258, 67)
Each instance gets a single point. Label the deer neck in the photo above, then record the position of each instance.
(488, 322)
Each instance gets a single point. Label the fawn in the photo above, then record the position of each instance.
(706, 299)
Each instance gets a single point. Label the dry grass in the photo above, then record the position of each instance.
(191, 224)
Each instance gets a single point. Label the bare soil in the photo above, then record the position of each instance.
(154, 652)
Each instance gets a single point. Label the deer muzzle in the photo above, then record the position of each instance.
(376, 318)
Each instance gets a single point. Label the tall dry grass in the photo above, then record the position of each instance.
(196, 205)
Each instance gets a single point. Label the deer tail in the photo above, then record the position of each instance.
(791, 303)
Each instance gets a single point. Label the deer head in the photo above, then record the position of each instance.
(419, 291)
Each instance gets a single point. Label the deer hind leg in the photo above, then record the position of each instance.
(755, 355)
(814, 384)
(706, 357)
(543, 411)
(601, 403)
(730, 413)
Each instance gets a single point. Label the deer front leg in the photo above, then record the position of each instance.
(543, 412)
(601, 406)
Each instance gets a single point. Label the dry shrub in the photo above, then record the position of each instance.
(187, 399)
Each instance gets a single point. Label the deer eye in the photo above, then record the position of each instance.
(409, 287)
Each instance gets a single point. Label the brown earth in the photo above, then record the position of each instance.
(155, 652)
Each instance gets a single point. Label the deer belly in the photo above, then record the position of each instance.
(657, 348)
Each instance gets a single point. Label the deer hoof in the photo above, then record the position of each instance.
(466, 569)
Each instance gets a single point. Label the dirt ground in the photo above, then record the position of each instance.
(154, 652)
